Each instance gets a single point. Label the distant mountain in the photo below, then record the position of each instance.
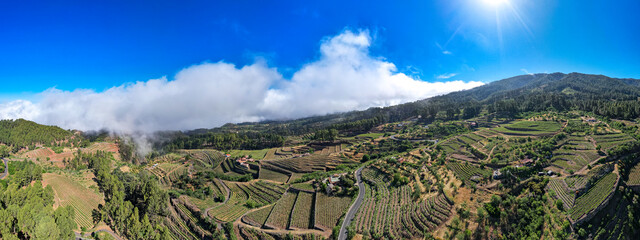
(612, 97)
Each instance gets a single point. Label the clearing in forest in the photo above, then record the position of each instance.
(70, 193)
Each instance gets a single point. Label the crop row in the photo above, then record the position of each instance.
(329, 209)
(634, 176)
(401, 219)
(279, 216)
(302, 210)
(465, 170)
(562, 192)
(594, 197)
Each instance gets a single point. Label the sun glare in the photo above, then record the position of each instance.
(495, 2)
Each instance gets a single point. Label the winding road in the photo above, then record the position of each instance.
(354, 207)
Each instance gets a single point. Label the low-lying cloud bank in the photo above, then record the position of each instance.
(345, 77)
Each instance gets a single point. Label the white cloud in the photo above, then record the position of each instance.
(345, 77)
(525, 71)
(446, 75)
(445, 52)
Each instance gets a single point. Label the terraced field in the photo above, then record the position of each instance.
(302, 210)
(395, 215)
(233, 208)
(607, 141)
(562, 192)
(634, 176)
(529, 128)
(594, 197)
(329, 209)
(281, 213)
(465, 171)
(262, 192)
(306, 164)
(257, 218)
(70, 193)
(278, 176)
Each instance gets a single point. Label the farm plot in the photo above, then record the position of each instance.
(306, 164)
(608, 141)
(233, 208)
(576, 181)
(70, 193)
(257, 217)
(329, 209)
(255, 154)
(261, 192)
(594, 197)
(280, 175)
(281, 213)
(634, 176)
(397, 216)
(562, 192)
(468, 172)
(529, 128)
(302, 210)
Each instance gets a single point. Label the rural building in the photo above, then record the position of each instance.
(497, 174)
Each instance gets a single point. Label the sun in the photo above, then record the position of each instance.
(495, 3)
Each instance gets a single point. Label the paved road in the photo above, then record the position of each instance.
(6, 168)
(354, 207)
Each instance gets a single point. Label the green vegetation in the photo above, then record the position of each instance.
(27, 210)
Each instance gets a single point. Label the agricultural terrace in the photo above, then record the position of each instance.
(468, 172)
(205, 157)
(255, 154)
(281, 213)
(597, 194)
(234, 207)
(259, 192)
(258, 217)
(607, 141)
(561, 191)
(391, 212)
(573, 159)
(634, 176)
(70, 193)
(273, 173)
(306, 164)
(529, 128)
(329, 209)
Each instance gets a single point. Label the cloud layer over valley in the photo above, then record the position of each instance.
(344, 77)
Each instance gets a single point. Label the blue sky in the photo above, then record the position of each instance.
(159, 65)
(87, 44)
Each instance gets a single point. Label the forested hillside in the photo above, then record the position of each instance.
(21, 133)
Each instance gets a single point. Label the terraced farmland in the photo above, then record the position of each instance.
(329, 209)
(262, 192)
(594, 197)
(529, 128)
(257, 217)
(70, 193)
(306, 164)
(302, 210)
(281, 213)
(562, 192)
(233, 208)
(634, 176)
(278, 176)
(611, 140)
(465, 171)
(394, 214)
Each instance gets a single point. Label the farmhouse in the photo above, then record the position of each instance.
(497, 174)
(243, 161)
